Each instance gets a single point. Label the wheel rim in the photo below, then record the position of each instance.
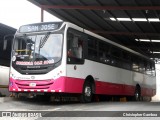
(87, 91)
(137, 96)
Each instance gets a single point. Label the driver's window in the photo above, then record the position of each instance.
(74, 45)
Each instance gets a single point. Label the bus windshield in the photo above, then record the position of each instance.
(37, 49)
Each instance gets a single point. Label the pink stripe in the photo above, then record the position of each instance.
(75, 85)
(114, 89)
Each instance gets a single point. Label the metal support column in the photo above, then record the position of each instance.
(42, 14)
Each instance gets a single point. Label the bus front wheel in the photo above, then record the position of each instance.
(87, 94)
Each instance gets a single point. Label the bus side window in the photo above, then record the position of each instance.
(135, 63)
(116, 56)
(75, 46)
(141, 66)
(92, 48)
(78, 47)
(126, 62)
(149, 68)
(103, 52)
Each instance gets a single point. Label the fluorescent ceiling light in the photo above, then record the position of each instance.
(124, 19)
(155, 40)
(153, 19)
(156, 52)
(136, 19)
(144, 40)
(113, 19)
(147, 40)
(139, 19)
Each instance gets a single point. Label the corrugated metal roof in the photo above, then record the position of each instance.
(96, 15)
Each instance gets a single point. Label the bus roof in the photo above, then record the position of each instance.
(48, 26)
(109, 41)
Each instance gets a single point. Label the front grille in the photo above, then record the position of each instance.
(41, 68)
(37, 70)
(29, 71)
(39, 84)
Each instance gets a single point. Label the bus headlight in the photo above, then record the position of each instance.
(10, 84)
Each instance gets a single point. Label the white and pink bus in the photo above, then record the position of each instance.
(63, 58)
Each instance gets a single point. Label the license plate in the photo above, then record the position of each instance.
(32, 84)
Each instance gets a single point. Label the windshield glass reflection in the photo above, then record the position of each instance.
(37, 49)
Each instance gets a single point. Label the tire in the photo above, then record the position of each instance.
(137, 94)
(16, 96)
(87, 94)
(150, 99)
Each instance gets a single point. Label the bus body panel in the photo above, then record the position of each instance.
(4, 76)
(61, 84)
(111, 80)
(70, 78)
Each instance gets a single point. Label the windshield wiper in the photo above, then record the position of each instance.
(43, 41)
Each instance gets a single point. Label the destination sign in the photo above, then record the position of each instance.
(39, 27)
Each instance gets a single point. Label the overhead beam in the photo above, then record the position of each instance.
(101, 7)
(154, 56)
(144, 47)
(125, 33)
